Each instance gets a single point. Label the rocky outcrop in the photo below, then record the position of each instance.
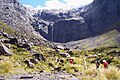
(39, 56)
(41, 76)
(4, 50)
(16, 16)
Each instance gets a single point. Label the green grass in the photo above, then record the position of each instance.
(8, 29)
(16, 62)
(112, 73)
(6, 67)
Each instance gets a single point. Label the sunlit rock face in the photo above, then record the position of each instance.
(16, 16)
(76, 24)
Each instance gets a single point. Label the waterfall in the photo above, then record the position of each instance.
(52, 33)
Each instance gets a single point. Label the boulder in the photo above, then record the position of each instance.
(66, 48)
(26, 77)
(57, 50)
(118, 65)
(24, 45)
(50, 64)
(77, 47)
(1, 59)
(65, 54)
(29, 64)
(59, 60)
(35, 61)
(93, 56)
(8, 46)
(39, 56)
(5, 35)
(5, 40)
(70, 52)
(5, 51)
(13, 41)
(1, 33)
(60, 47)
(41, 71)
(57, 68)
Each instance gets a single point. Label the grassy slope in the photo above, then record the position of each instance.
(15, 63)
(107, 39)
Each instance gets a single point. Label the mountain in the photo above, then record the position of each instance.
(94, 19)
(16, 16)
(63, 26)
(24, 55)
(102, 15)
(19, 21)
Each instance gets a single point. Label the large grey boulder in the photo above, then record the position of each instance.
(5, 35)
(65, 54)
(5, 51)
(26, 46)
(35, 61)
(29, 64)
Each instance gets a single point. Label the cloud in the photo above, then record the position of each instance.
(54, 4)
(28, 6)
(32, 8)
(64, 4)
(77, 3)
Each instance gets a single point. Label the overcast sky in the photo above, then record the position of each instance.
(55, 4)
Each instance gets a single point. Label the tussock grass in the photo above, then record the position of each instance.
(15, 63)
(90, 72)
(6, 67)
(112, 73)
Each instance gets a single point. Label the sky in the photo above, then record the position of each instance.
(54, 4)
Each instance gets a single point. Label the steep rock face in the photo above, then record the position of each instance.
(63, 26)
(98, 18)
(70, 30)
(15, 15)
(102, 15)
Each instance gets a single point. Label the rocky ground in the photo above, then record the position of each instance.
(40, 76)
